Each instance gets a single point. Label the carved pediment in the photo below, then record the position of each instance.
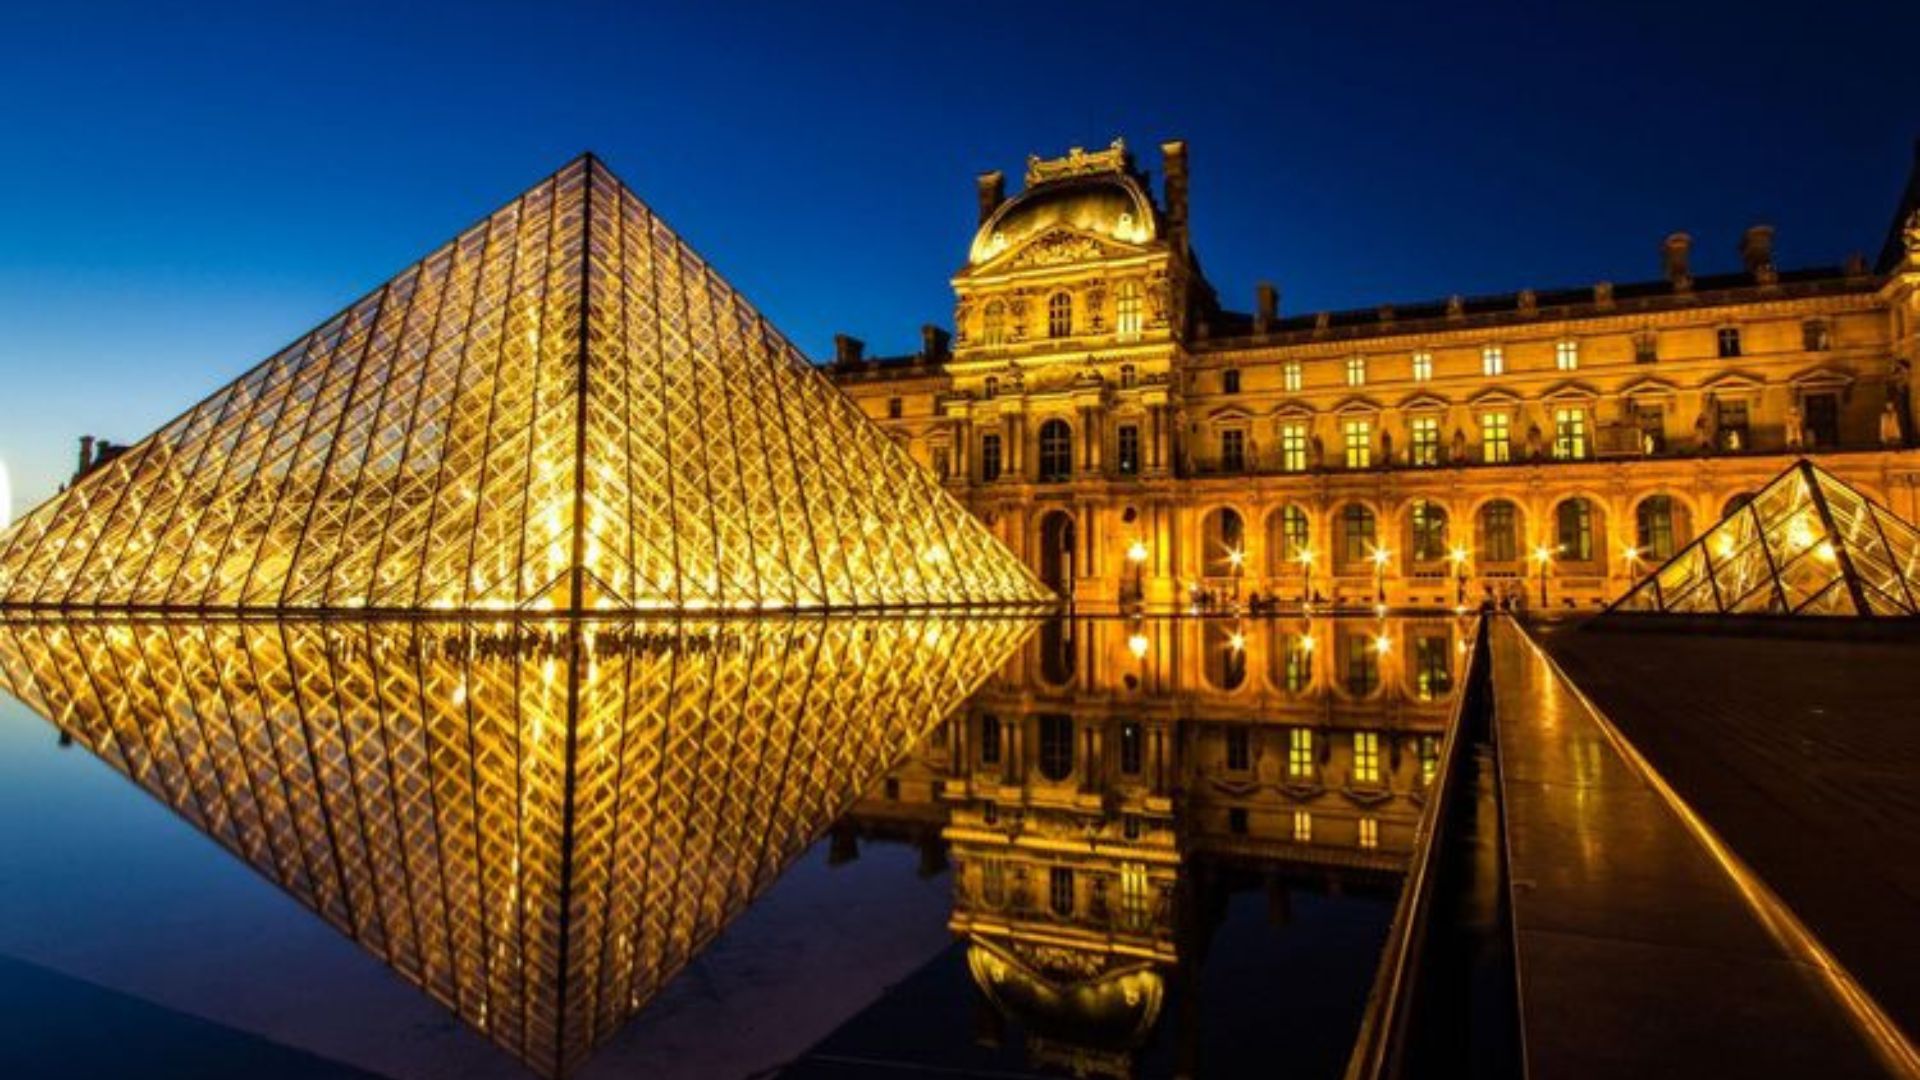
(1058, 246)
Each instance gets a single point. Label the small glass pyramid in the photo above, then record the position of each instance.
(1807, 544)
(563, 409)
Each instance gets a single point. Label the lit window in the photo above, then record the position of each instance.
(1570, 434)
(1499, 532)
(1429, 522)
(894, 408)
(1369, 833)
(1293, 447)
(1815, 336)
(1059, 315)
(1358, 536)
(1239, 750)
(1653, 528)
(1126, 309)
(1060, 891)
(1230, 381)
(993, 330)
(1356, 371)
(1432, 666)
(1732, 425)
(1493, 360)
(1730, 341)
(1422, 366)
(1133, 892)
(1127, 448)
(989, 457)
(1366, 757)
(1129, 375)
(1296, 673)
(1300, 752)
(1574, 521)
(1302, 827)
(1429, 752)
(1496, 443)
(1425, 445)
(1291, 377)
(1233, 450)
(1566, 356)
(1359, 443)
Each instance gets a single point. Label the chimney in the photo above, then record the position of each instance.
(1756, 251)
(992, 189)
(1677, 249)
(1266, 307)
(86, 455)
(847, 349)
(933, 342)
(1173, 159)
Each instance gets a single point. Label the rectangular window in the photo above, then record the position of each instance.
(1129, 376)
(1496, 444)
(1230, 381)
(989, 457)
(1132, 741)
(989, 740)
(1570, 434)
(1126, 310)
(1422, 366)
(1359, 436)
(1356, 371)
(1127, 449)
(1298, 669)
(1653, 429)
(1822, 420)
(1060, 891)
(1302, 827)
(1233, 450)
(1493, 360)
(993, 882)
(1733, 426)
(1239, 750)
(1432, 667)
(1300, 753)
(1237, 820)
(1730, 342)
(1293, 447)
(1133, 894)
(1646, 348)
(1291, 377)
(1424, 447)
(1366, 757)
(1566, 356)
(1429, 753)
(894, 408)
(1814, 336)
(1369, 833)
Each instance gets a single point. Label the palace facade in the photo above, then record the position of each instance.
(1134, 438)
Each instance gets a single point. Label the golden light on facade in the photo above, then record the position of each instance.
(1381, 556)
(1306, 557)
(1458, 556)
(1306, 642)
(1382, 643)
(486, 808)
(1543, 555)
(1137, 644)
(1237, 641)
(509, 425)
(1236, 558)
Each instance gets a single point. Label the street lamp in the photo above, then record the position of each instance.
(1544, 556)
(1380, 557)
(1632, 555)
(1235, 559)
(1458, 556)
(1137, 556)
(1305, 558)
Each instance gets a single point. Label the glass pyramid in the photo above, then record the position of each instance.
(537, 822)
(563, 409)
(1807, 544)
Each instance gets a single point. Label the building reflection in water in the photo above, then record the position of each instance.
(1098, 797)
(536, 823)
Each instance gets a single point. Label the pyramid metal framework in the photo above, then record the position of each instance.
(536, 822)
(562, 409)
(1806, 544)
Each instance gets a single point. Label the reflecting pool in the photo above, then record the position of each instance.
(1102, 846)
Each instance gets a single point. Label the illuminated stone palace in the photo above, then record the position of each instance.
(1131, 436)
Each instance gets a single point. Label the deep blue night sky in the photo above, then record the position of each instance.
(186, 190)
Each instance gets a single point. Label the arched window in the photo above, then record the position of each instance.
(1225, 662)
(1499, 532)
(1056, 450)
(1288, 536)
(1573, 528)
(1224, 536)
(1126, 309)
(1056, 747)
(1059, 315)
(1654, 528)
(1358, 535)
(1429, 522)
(993, 328)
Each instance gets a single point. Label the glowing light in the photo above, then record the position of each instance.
(1306, 558)
(1306, 642)
(1630, 553)
(1825, 551)
(1380, 557)
(1382, 644)
(1136, 552)
(1236, 557)
(1458, 555)
(1543, 554)
(1137, 645)
(1237, 641)
(1724, 545)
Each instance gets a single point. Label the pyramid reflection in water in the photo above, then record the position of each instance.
(538, 823)
(1806, 544)
(564, 408)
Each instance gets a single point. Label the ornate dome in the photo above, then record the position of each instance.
(1110, 204)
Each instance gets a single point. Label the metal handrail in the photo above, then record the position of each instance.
(1383, 1026)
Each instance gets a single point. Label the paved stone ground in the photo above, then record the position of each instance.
(1804, 755)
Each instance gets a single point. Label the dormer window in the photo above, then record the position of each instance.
(1729, 342)
(1059, 315)
(993, 325)
(1129, 375)
(1126, 310)
(1230, 381)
